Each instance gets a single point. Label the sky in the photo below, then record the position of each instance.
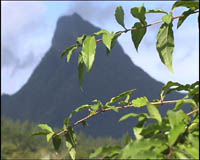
(28, 27)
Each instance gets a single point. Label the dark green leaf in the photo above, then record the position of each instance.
(139, 12)
(167, 18)
(80, 69)
(189, 4)
(165, 44)
(138, 34)
(182, 19)
(154, 112)
(45, 127)
(114, 99)
(40, 133)
(69, 50)
(139, 102)
(89, 51)
(56, 142)
(119, 16)
(84, 123)
(156, 11)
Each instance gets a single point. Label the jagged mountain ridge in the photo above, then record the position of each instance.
(53, 91)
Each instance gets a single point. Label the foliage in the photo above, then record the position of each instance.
(175, 135)
(17, 144)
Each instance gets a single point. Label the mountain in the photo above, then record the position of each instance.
(53, 91)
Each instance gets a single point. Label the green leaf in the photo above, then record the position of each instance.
(184, 101)
(56, 142)
(175, 132)
(137, 131)
(39, 133)
(185, 15)
(139, 102)
(45, 127)
(154, 112)
(80, 39)
(83, 107)
(128, 116)
(113, 108)
(165, 44)
(71, 142)
(139, 12)
(113, 41)
(95, 107)
(107, 40)
(114, 99)
(144, 115)
(177, 117)
(119, 16)
(89, 51)
(104, 150)
(167, 18)
(49, 136)
(138, 34)
(69, 50)
(80, 69)
(188, 4)
(99, 32)
(156, 11)
(178, 122)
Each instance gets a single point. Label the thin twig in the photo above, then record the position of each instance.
(109, 109)
(194, 111)
(145, 26)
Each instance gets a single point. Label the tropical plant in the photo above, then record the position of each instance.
(175, 135)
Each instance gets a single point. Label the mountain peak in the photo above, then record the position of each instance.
(70, 27)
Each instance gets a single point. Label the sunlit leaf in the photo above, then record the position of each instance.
(49, 136)
(139, 102)
(167, 18)
(156, 11)
(165, 44)
(45, 127)
(114, 99)
(107, 39)
(154, 112)
(89, 51)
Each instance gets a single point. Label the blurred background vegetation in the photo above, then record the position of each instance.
(16, 142)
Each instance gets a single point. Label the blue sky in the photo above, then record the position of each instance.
(28, 27)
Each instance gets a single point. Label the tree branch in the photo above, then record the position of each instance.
(145, 26)
(109, 109)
